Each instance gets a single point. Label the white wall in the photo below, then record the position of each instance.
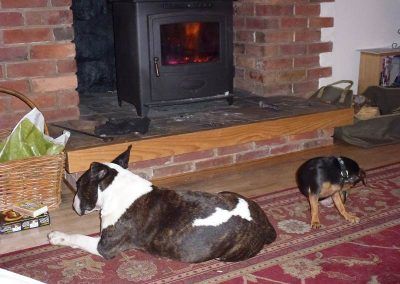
(358, 24)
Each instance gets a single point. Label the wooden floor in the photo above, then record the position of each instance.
(250, 179)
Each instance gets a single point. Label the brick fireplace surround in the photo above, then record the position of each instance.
(276, 52)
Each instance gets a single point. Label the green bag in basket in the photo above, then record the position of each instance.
(28, 139)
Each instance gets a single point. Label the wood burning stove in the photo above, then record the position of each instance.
(171, 52)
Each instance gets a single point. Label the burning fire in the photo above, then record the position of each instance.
(192, 35)
(191, 39)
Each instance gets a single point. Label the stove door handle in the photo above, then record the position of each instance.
(156, 68)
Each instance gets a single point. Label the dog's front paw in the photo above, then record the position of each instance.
(58, 238)
(315, 225)
(352, 218)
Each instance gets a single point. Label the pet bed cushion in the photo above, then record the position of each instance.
(381, 130)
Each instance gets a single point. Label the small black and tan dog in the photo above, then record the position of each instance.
(324, 177)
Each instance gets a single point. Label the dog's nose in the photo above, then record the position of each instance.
(79, 212)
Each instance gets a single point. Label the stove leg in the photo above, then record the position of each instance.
(142, 111)
(230, 100)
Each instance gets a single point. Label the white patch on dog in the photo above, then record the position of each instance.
(221, 216)
(77, 204)
(83, 242)
(120, 194)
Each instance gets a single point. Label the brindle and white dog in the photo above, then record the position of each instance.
(184, 225)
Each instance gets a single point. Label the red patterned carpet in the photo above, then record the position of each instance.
(368, 252)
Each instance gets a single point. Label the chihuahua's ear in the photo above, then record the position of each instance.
(123, 158)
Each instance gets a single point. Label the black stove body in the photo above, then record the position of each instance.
(171, 52)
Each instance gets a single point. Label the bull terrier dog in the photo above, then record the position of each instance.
(189, 226)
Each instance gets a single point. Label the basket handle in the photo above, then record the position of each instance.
(26, 100)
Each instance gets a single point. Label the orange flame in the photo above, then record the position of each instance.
(192, 31)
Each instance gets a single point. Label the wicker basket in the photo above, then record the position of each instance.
(36, 178)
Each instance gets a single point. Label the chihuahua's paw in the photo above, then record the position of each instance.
(58, 238)
(352, 218)
(315, 225)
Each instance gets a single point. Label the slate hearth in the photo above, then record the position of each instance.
(191, 137)
(97, 108)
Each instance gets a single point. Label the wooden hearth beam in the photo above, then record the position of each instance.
(145, 149)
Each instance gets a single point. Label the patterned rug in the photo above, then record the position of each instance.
(340, 252)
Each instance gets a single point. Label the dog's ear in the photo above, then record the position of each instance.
(102, 175)
(98, 171)
(123, 158)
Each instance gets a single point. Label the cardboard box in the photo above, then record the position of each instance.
(25, 223)
(30, 208)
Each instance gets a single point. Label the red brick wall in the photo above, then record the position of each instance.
(225, 156)
(277, 45)
(37, 59)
